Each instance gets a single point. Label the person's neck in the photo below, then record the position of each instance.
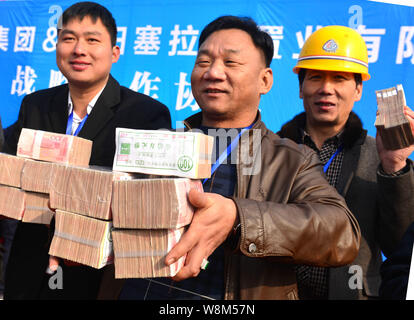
(219, 122)
(320, 134)
(81, 97)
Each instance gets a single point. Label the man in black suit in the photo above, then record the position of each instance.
(91, 106)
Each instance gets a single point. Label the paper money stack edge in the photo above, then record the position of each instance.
(392, 124)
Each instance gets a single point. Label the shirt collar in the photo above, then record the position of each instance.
(306, 139)
(90, 106)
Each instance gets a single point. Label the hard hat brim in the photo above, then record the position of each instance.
(333, 65)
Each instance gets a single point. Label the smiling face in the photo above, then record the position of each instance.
(228, 79)
(328, 97)
(84, 53)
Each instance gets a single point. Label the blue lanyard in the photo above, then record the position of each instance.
(326, 166)
(70, 122)
(227, 152)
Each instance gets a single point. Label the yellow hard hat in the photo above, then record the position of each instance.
(335, 48)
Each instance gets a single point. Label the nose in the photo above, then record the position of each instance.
(79, 48)
(327, 86)
(215, 72)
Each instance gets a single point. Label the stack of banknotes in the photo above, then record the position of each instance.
(105, 215)
(391, 122)
(25, 178)
(54, 147)
(150, 216)
(12, 197)
(166, 153)
(141, 253)
(35, 180)
(82, 239)
(84, 190)
(153, 203)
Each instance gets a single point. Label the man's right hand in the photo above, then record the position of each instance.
(212, 222)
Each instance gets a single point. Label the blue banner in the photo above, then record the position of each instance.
(159, 38)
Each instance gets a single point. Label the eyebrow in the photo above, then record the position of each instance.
(207, 52)
(86, 33)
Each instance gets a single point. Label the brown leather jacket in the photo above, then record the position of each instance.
(289, 214)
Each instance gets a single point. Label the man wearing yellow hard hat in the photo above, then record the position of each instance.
(331, 68)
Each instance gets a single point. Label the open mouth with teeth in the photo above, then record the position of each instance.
(214, 91)
(325, 104)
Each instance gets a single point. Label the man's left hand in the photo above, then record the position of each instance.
(394, 160)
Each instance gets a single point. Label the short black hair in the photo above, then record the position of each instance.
(261, 39)
(93, 10)
(302, 74)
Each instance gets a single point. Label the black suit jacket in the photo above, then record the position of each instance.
(47, 110)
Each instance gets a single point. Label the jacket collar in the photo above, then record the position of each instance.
(98, 118)
(195, 120)
(103, 110)
(353, 132)
(58, 109)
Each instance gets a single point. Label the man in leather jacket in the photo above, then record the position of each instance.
(267, 210)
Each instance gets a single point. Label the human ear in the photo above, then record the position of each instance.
(266, 80)
(116, 52)
(358, 92)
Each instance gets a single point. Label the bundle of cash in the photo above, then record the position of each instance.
(84, 190)
(182, 154)
(153, 203)
(11, 169)
(36, 175)
(82, 239)
(149, 217)
(141, 253)
(393, 126)
(12, 202)
(54, 147)
(37, 209)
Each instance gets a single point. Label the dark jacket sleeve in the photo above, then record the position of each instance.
(396, 206)
(314, 226)
(12, 133)
(396, 269)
